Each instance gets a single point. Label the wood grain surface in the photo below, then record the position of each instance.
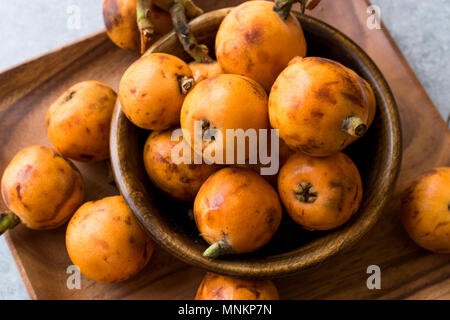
(408, 272)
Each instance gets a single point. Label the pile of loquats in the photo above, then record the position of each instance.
(261, 79)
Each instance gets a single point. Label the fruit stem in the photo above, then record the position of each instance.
(354, 126)
(217, 249)
(306, 192)
(8, 220)
(144, 22)
(186, 84)
(284, 7)
(198, 52)
(192, 11)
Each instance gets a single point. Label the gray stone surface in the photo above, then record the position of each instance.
(29, 28)
(421, 30)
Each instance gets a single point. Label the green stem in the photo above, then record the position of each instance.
(217, 249)
(284, 7)
(8, 220)
(198, 52)
(144, 22)
(354, 126)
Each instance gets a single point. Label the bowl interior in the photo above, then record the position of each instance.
(377, 156)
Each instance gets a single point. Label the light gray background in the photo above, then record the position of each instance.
(32, 27)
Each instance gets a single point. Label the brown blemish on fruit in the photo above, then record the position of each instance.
(102, 243)
(86, 216)
(324, 93)
(185, 179)
(128, 220)
(338, 201)
(358, 100)
(316, 114)
(356, 193)
(326, 61)
(253, 35)
(162, 58)
(18, 187)
(111, 14)
(440, 225)
(252, 289)
(69, 96)
(67, 195)
(259, 90)
(335, 184)
(218, 293)
(25, 173)
(162, 159)
(87, 156)
(144, 253)
(239, 188)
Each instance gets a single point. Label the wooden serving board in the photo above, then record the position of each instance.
(408, 272)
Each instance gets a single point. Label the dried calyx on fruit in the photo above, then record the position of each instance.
(283, 7)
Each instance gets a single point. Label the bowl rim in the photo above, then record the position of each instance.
(306, 256)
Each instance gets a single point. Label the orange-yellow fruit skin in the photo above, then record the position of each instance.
(255, 42)
(310, 100)
(284, 152)
(239, 206)
(426, 210)
(202, 71)
(78, 122)
(121, 26)
(336, 181)
(42, 188)
(226, 101)
(149, 91)
(106, 242)
(218, 287)
(180, 181)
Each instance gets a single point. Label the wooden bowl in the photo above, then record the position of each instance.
(292, 249)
